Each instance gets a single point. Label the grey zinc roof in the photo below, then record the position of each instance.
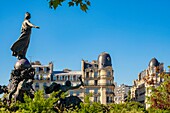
(153, 62)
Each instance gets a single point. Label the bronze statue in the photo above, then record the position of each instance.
(21, 80)
(3, 89)
(23, 74)
(62, 88)
(19, 48)
(67, 102)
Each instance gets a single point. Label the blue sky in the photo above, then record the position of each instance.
(131, 31)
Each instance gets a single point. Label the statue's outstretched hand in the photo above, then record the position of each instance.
(37, 27)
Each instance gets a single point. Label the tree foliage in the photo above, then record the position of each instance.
(42, 105)
(39, 104)
(160, 97)
(84, 4)
(46, 105)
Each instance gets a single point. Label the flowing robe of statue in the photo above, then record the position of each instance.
(20, 47)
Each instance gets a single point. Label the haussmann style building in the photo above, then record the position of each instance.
(61, 77)
(97, 77)
(121, 93)
(146, 79)
(43, 75)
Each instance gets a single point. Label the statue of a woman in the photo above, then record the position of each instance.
(19, 48)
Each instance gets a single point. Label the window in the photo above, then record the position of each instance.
(74, 78)
(71, 93)
(111, 82)
(66, 78)
(37, 77)
(108, 82)
(107, 99)
(54, 78)
(61, 78)
(95, 74)
(86, 82)
(95, 99)
(37, 85)
(77, 93)
(108, 73)
(87, 90)
(37, 69)
(45, 69)
(45, 84)
(95, 90)
(111, 99)
(95, 82)
(71, 78)
(87, 75)
(95, 65)
(57, 77)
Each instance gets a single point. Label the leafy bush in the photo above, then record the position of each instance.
(160, 96)
(46, 105)
(39, 104)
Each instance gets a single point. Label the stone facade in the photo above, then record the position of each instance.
(61, 77)
(121, 93)
(43, 74)
(146, 79)
(97, 77)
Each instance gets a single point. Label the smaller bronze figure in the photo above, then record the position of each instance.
(67, 102)
(19, 48)
(3, 89)
(62, 88)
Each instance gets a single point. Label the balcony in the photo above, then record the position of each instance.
(112, 93)
(99, 84)
(91, 78)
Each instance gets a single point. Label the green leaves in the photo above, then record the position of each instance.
(71, 4)
(55, 3)
(39, 104)
(82, 3)
(83, 7)
(160, 95)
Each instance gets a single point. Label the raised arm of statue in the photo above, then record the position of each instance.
(30, 24)
(75, 87)
(81, 84)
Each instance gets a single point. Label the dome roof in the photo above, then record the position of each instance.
(153, 63)
(104, 60)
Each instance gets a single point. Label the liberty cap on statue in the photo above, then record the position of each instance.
(19, 48)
